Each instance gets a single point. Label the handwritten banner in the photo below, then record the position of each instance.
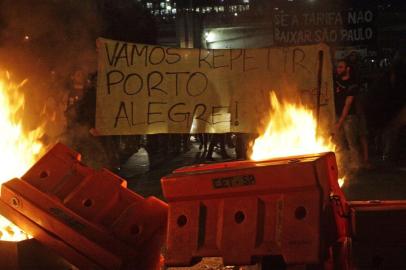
(146, 89)
(334, 27)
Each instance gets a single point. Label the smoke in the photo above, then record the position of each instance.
(50, 34)
(44, 41)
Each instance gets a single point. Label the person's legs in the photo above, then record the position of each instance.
(200, 138)
(351, 131)
(390, 135)
(206, 139)
(241, 145)
(363, 137)
(223, 151)
(185, 142)
(342, 153)
(128, 145)
(365, 151)
(176, 142)
(213, 142)
(110, 145)
(152, 148)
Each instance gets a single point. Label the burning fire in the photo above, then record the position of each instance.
(291, 131)
(341, 181)
(19, 149)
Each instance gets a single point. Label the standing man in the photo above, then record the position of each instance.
(353, 59)
(346, 133)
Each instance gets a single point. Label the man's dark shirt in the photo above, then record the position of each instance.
(344, 89)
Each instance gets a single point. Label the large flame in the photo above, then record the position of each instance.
(291, 131)
(19, 149)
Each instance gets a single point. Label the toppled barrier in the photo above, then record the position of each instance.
(87, 216)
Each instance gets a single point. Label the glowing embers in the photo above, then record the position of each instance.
(291, 131)
(19, 148)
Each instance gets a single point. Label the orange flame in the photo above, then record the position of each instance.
(18, 149)
(291, 131)
(341, 181)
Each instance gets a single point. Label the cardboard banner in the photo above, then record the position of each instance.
(146, 89)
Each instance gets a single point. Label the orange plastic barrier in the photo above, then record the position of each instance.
(30, 254)
(87, 216)
(242, 211)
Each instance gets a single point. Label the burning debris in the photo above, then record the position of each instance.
(19, 148)
(87, 216)
(291, 131)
